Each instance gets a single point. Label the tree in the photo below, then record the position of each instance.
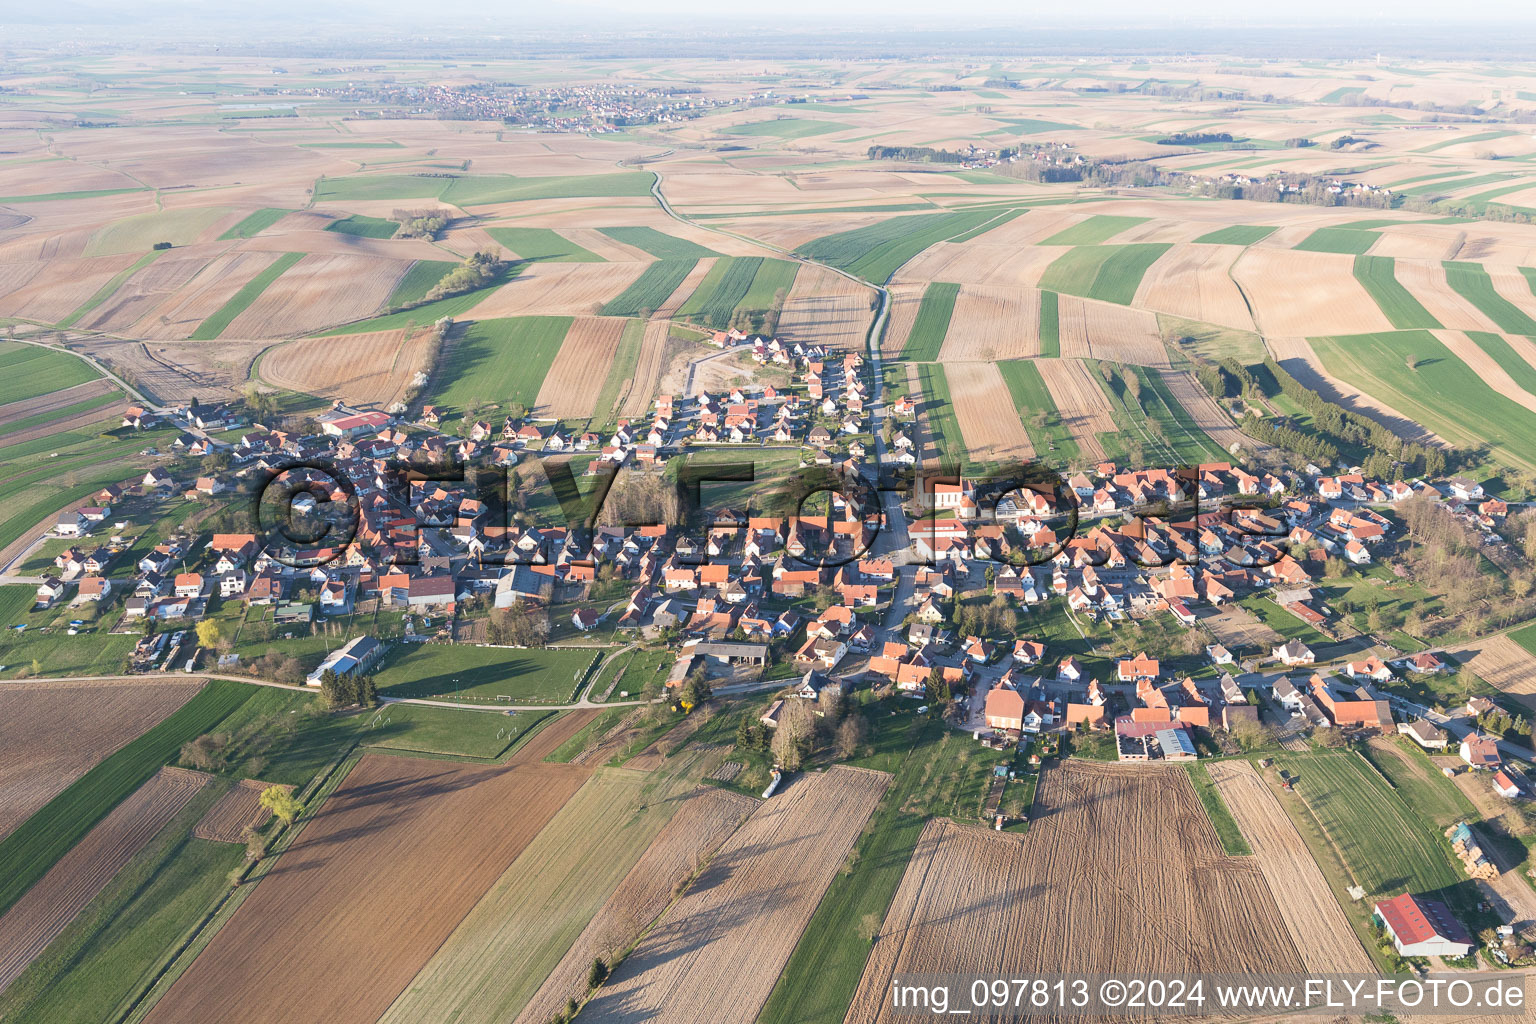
(208, 633)
(792, 740)
(285, 807)
(695, 689)
(597, 973)
(852, 735)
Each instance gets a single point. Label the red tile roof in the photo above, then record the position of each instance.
(1414, 919)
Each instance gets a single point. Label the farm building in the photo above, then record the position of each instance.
(361, 423)
(1145, 741)
(726, 655)
(360, 654)
(1422, 927)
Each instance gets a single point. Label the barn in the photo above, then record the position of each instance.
(1422, 927)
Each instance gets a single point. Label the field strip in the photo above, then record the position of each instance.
(74, 880)
(735, 928)
(993, 323)
(989, 423)
(642, 386)
(1295, 355)
(1312, 915)
(1081, 403)
(584, 359)
(1504, 664)
(234, 812)
(1486, 367)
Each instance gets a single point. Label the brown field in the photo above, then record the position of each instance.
(1306, 293)
(570, 387)
(1192, 281)
(1427, 283)
(1486, 367)
(681, 293)
(1104, 330)
(47, 908)
(1316, 923)
(735, 928)
(98, 718)
(1077, 894)
(706, 818)
(922, 437)
(1298, 359)
(180, 315)
(993, 323)
(554, 288)
(985, 261)
(641, 389)
(1236, 629)
(234, 812)
(1504, 664)
(1513, 286)
(905, 301)
(318, 292)
(1207, 415)
(1084, 408)
(59, 287)
(362, 369)
(433, 835)
(988, 418)
(179, 370)
(13, 411)
(827, 309)
(548, 739)
(1422, 244)
(141, 293)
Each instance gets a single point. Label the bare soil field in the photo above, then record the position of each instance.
(234, 812)
(906, 299)
(993, 323)
(989, 263)
(178, 371)
(1193, 281)
(141, 293)
(97, 718)
(361, 369)
(317, 292)
(1306, 294)
(1317, 925)
(548, 739)
(1104, 330)
(59, 287)
(570, 388)
(641, 390)
(1120, 871)
(1422, 244)
(1236, 629)
(918, 430)
(1426, 281)
(1298, 359)
(380, 876)
(1486, 367)
(1503, 663)
(1204, 411)
(554, 288)
(47, 908)
(181, 314)
(706, 818)
(1084, 408)
(826, 309)
(684, 290)
(988, 418)
(29, 407)
(735, 928)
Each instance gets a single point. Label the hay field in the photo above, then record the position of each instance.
(827, 309)
(735, 928)
(1105, 330)
(1306, 293)
(1203, 410)
(182, 313)
(1120, 872)
(570, 387)
(641, 389)
(989, 422)
(74, 880)
(1192, 281)
(96, 717)
(318, 292)
(1504, 664)
(379, 877)
(702, 822)
(993, 324)
(374, 368)
(579, 288)
(1084, 408)
(234, 812)
(1316, 923)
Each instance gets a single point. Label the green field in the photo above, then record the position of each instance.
(625, 359)
(27, 853)
(1033, 126)
(105, 291)
(113, 397)
(427, 730)
(658, 243)
(1097, 228)
(1343, 93)
(454, 306)
(255, 224)
(723, 288)
(1520, 371)
(1042, 420)
(1222, 821)
(989, 226)
(875, 252)
(417, 281)
(789, 128)
(180, 226)
(484, 674)
(49, 197)
(501, 361)
(1440, 187)
(939, 409)
(1345, 240)
(1459, 139)
(1237, 234)
(1442, 392)
(27, 371)
(1379, 276)
(772, 278)
(216, 324)
(1050, 327)
(1472, 283)
(364, 227)
(1418, 781)
(543, 245)
(481, 189)
(651, 288)
(932, 322)
(1111, 273)
(1386, 845)
(1178, 428)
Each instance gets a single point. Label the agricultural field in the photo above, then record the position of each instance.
(1503, 663)
(542, 244)
(497, 362)
(532, 676)
(30, 371)
(1111, 273)
(874, 253)
(1211, 912)
(372, 369)
(658, 243)
(651, 290)
(931, 324)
